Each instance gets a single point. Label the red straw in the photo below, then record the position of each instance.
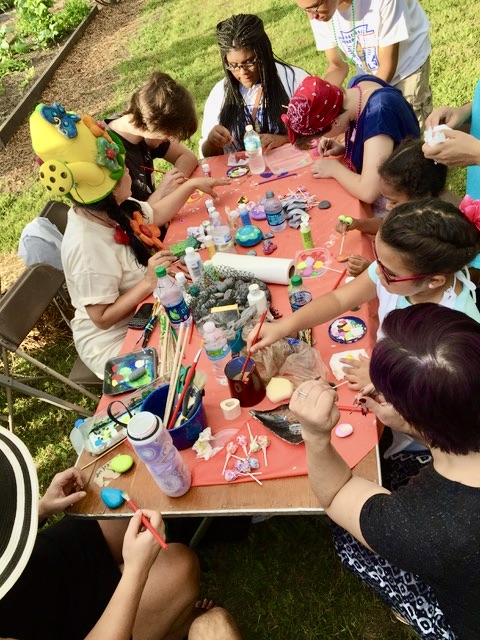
(146, 522)
(189, 378)
(262, 320)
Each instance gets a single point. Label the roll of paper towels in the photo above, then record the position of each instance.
(270, 270)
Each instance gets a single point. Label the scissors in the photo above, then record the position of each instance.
(182, 376)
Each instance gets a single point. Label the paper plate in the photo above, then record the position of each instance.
(347, 329)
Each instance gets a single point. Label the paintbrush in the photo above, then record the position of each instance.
(262, 320)
(190, 374)
(145, 521)
(142, 166)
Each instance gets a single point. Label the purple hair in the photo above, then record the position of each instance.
(428, 367)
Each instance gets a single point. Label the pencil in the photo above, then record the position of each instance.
(145, 521)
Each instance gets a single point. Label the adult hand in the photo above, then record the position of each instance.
(140, 548)
(313, 402)
(206, 184)
(451, 116)
(219, 136)
(163, 258)
(356, 371)
(65, 489)
(269, 333)
(356, 265)
(272, 141)
(171, 180)
(324, 168)
(459, 150)
(330, 147)
(384, 411)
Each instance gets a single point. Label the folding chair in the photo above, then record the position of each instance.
(20, 309)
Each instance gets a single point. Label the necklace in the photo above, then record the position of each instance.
(352, 131)
(354, 47)
(120, 236)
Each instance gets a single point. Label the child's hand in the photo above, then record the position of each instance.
(269, 333)
(356, 265)
(219, 136)
(140, 548)
(342, 226)
(325, 168)
(329, 147)
(357, 372)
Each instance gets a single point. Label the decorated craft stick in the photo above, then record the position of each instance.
(231, 448)
(340, 384)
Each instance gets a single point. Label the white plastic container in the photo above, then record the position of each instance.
(171, 296)
(253, 147)
(217, 349)
(194, 264)
(221, 234)
(274, 212)
(256, 297)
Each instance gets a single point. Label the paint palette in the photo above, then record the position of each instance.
(347, 329)
(312, 263)
(130, 371)
(237, 172)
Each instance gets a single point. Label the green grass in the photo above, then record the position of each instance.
(284, 580)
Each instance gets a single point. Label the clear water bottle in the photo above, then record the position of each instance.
(253, 147)
(217, 350)
(194, 263)
(171, 296)
(274, 212)
(221, 234)
(153, 444)
(298, 294)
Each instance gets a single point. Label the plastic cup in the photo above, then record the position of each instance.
(249, 391)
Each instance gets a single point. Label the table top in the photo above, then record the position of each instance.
(281, 495)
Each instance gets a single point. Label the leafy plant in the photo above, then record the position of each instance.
(44, 26)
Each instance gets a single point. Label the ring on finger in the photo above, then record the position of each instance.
(302, 393)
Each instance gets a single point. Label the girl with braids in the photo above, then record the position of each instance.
(108, 268)
(254, 91)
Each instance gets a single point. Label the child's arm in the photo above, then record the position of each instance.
(364, 225)
(321, 309)
(182, 158)
(337, 69)
(387, 61)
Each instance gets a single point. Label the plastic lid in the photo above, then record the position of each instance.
(189, 250)
(253, 287)
(269, 194)
(160, 272)
(249, 127)
(180, 277)
(215, 214)
(207, 239)
(205, 164)
(209, 327)
(304, 227)
(79, 422)
(296, 280)
(242, 207)
(142, 425)
(207, 263)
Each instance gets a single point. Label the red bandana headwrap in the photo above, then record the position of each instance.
(312, 108)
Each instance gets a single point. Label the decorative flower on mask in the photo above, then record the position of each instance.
(149, 234)
(108, 156)
(471, 209)
(65, 122)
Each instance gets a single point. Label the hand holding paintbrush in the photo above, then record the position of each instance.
(249, 353)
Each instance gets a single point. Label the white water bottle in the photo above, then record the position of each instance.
(274, 212)
(171, 296)
(194, 263)
(253, 147)
(221, 234)
(217, 350)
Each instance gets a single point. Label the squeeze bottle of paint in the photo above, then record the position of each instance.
(209, 245)
(306, 233)
(217, 350)
(257, 298)
(274, 212)
(153, 444)
(194, 264)
(183, 284)
(170, 295)
(244, 215)
(209, 203)
(221, 234)
(298, 294)
(253, 147)
(206, 170)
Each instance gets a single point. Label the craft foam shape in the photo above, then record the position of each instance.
(337, 367)
(279, 389)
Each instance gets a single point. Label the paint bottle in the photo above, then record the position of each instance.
(206, 170)
(154, 445)
(194, 264)
(257, 298)
(244, 215)
(209, 245)
(306, 233)
(209, 203)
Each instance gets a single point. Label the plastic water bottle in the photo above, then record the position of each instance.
(274, 212)
(171, 296)
(194, 263)
(221, 234)
(298, 294)
(153, 444)
(217, 350)
(253, 147)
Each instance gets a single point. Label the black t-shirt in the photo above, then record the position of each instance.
(138, 155)
(431, 527)
(65, 587)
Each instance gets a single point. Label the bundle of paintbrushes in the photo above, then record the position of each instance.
(167, 345)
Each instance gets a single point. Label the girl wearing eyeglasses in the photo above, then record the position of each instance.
(254, 91)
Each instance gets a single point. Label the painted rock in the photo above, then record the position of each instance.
(136, 374)
(343, 430)
(112, 497)
(121, 463)
(324, 204)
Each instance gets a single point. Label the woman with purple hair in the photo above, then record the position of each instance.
(418, 547)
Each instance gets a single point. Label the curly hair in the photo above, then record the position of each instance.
(246, 31)
(161, 104)
(409, 172)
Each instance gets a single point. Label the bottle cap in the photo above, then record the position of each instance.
(249, 127)
(253, 287)
(189, 250)
(160, 272)
(296, 280)
(142, 425)
(269, 194)
(209, 327)
(205, 165)
(215, 215)
(304, 227)
(207, 239)
(242, 207)
(78, 422)
(180, 277)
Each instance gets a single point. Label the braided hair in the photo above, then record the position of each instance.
(246, 31)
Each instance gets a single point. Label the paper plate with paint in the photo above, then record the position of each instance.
(312, 263)
(347, 329)
(130, 371)
(237, 172)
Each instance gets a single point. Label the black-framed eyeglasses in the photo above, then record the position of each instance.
(246, 66)
(393, 279)
(313, 12)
